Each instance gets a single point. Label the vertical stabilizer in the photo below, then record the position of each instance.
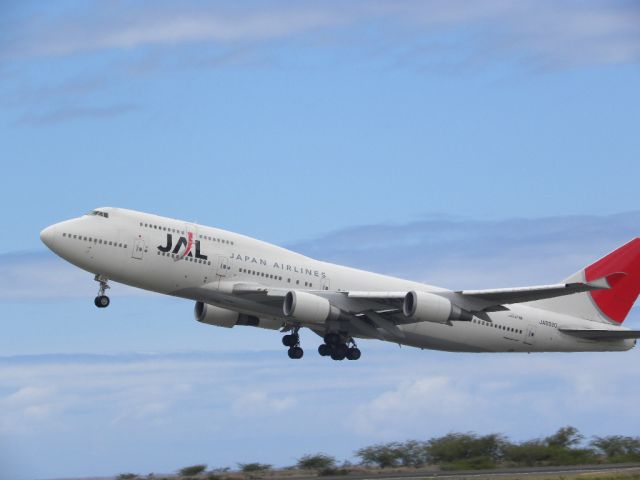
(622, 267)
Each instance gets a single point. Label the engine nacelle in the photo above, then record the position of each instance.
(308, 308)
(220, 317)
(428, 307)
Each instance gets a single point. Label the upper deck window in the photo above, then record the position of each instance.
(99, 213)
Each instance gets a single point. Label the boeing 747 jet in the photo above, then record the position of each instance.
(236, 280)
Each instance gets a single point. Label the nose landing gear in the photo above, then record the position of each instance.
(292, 341)
(102, 301)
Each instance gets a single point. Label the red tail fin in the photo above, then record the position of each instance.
(614, 304)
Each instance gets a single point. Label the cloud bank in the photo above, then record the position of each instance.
(227, 408)
(563, 34)
(463, 254)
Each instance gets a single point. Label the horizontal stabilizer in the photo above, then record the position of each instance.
(602, 334)
(488, 300)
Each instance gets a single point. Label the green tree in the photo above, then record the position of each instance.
(254, 467)
(127, 476)
(530, 453)
(412, 453)
(566, 437)
(561, 448)
(382, 455)
(618, 448)
(192, 470)
(318, 461)
(466, 450)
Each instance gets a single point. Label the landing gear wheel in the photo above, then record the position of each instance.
(339, 352)
(332, 339)
(291, 340)
(295, 353)
(101, 301)
(324, 350)
(353, 353)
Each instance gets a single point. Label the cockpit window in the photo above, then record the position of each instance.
(99, 213)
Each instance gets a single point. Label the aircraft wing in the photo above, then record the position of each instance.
(378, 314)
(388, 305)
(496, 299)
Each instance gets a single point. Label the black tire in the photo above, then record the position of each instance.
(339, 352)
(290, 340)
(295, 353)
(101, 301)
(354, 353)
(324, 350)
(332, 339)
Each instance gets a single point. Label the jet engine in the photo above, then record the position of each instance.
(428, 307)
(308, 308)
(221, 317)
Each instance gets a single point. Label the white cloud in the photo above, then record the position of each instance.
(262, 401)
(546, 32)
(520, 395)
(259, 403)
(389, 414)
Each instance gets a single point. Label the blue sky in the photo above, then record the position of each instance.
(465, 144)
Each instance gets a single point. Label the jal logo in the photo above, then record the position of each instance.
(183, 242)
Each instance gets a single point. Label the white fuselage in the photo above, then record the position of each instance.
(127, 247)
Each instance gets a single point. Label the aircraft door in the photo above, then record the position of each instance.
(138, 249)
(530, 335)
(223, 268)
(325, 283)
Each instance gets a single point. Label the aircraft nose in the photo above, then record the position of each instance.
(47, 236)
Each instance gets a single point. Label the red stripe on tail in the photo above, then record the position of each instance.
(616, 302)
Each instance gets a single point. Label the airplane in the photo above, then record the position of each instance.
(237, 280)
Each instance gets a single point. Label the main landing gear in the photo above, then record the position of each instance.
(292, 341)
(335, 347)
(101, 301)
